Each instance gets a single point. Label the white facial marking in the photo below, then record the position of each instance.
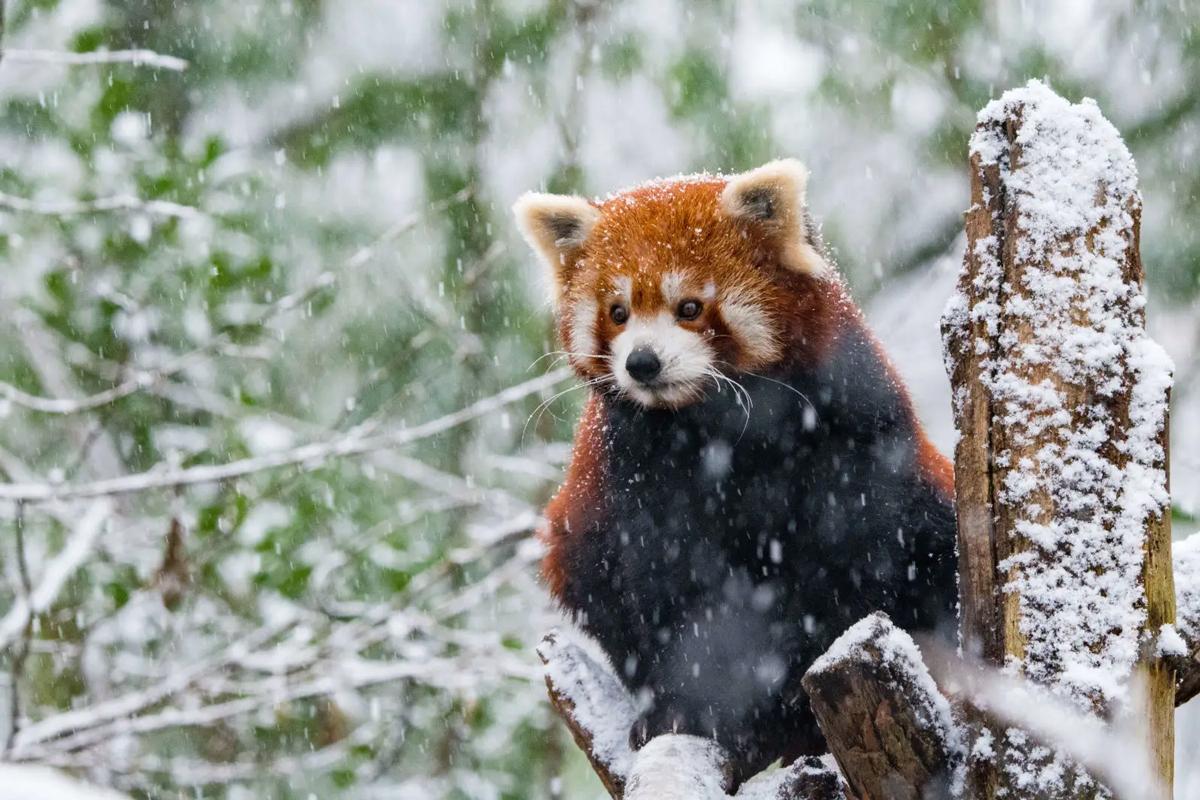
(686, 360)
(672, 289)
(582, 333)
(624, 285)
(751, 327)
(710, 292)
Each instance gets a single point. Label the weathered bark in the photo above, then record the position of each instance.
(887, 725)
(1051, 269)
(599, 713)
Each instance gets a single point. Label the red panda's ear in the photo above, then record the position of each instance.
(556, 226)
(772, 197)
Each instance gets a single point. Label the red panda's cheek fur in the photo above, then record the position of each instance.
(579, 323)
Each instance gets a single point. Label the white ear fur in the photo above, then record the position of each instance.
(555, 225)
(773, 197)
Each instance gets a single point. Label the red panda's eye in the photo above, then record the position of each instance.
(619, 313)
(689, 309)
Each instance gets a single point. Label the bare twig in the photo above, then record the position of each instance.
(138, 58)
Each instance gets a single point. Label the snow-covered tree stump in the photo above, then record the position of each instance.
(887, 724)
(1060, 400)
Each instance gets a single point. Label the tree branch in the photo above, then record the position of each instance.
(146, 378)
(35, 600)
(138, 58)
(308, 456)
(120, 202)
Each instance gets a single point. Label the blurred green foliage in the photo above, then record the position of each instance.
(291, 145)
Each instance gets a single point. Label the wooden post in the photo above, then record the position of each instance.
(1060, 401)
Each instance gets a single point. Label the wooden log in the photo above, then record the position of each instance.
(886, 723)
(599, 713)
(1060, 400)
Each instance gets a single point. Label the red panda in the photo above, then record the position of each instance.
(749, 477)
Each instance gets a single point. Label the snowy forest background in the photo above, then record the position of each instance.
(240, 295)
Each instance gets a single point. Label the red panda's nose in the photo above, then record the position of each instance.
(643, 365)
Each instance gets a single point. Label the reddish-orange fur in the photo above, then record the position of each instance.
(670, 227)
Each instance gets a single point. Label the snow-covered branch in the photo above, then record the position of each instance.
(146, 378)
(308, 456)
(56, 572)
(119, 202)
(871, 687)
(138, 58)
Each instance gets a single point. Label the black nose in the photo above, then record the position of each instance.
(643, 365)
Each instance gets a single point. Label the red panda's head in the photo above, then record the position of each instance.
(661, 289)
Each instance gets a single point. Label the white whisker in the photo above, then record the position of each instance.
(739, 391)
(561, 354)
(789, 387)
(545, 404)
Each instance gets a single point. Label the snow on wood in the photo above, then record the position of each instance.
(676, 766)
(1060, 400)
(887, 724)
(596, 708)
(1187, 626)
(805, 779)
(599, 712)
